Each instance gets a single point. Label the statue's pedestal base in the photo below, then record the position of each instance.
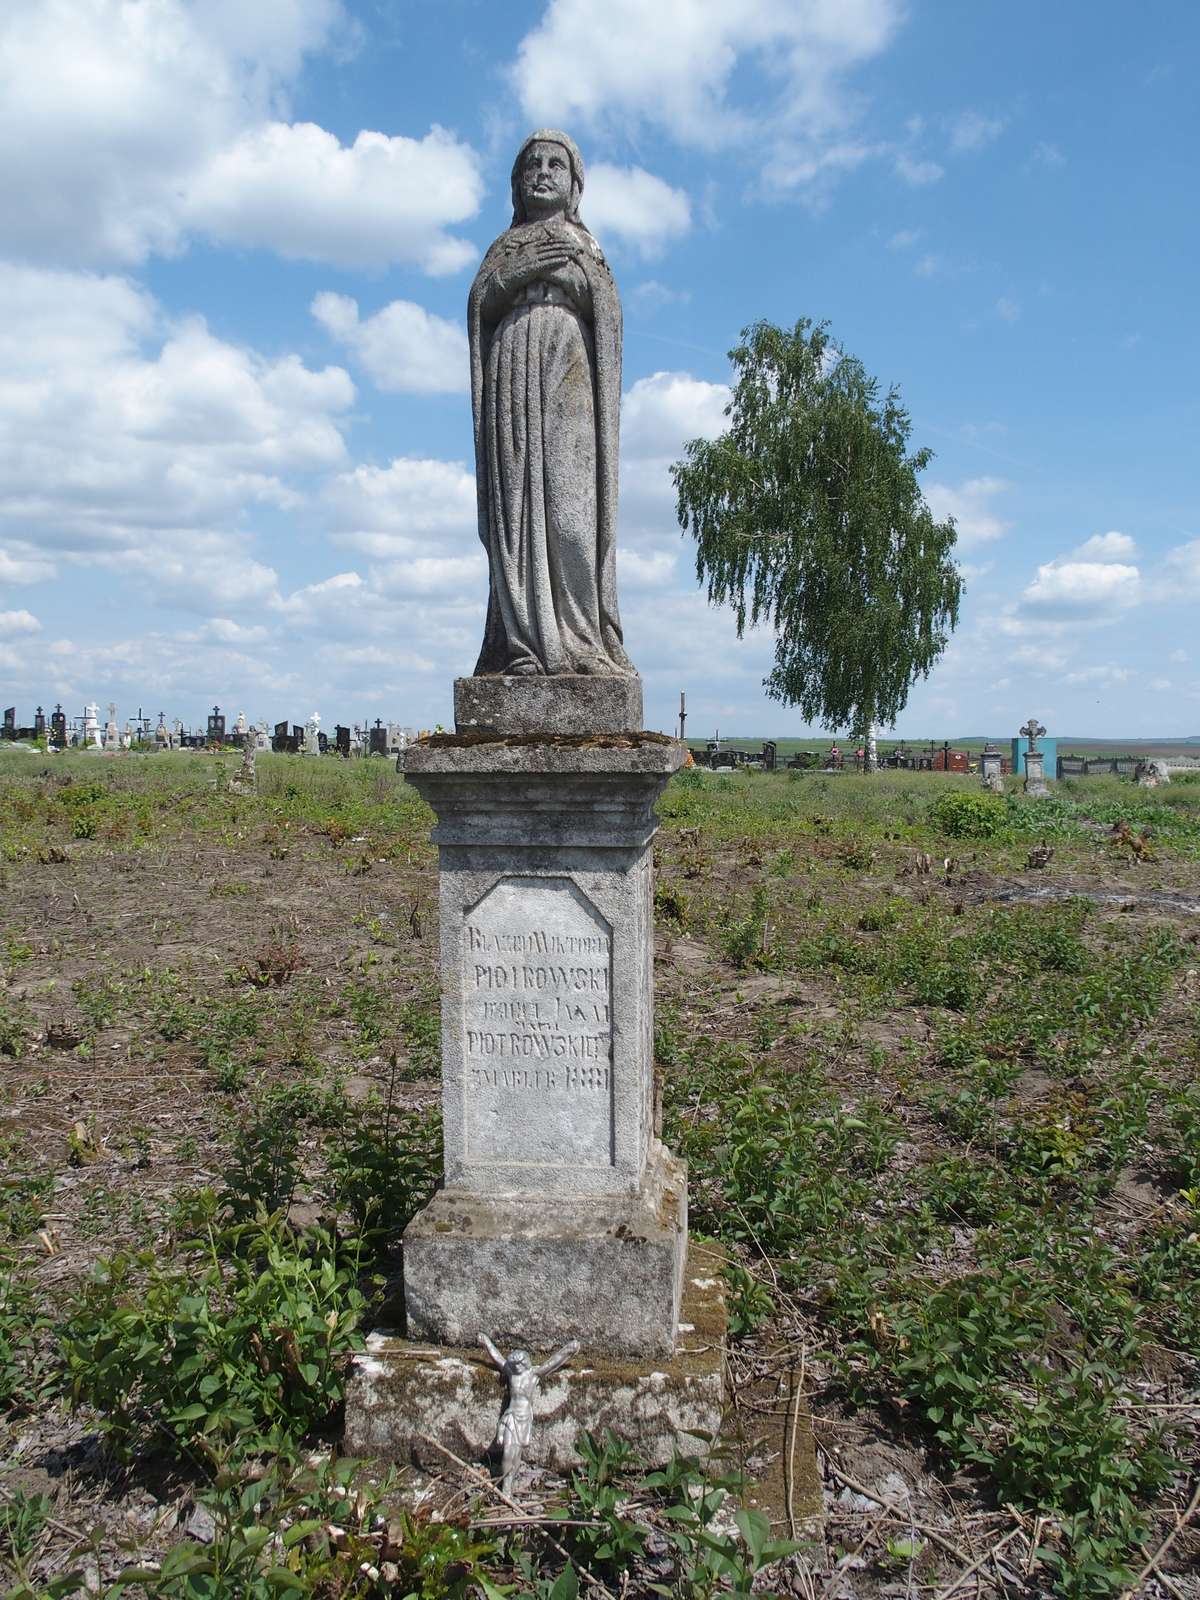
(606, 1270)
(404, 1399)
(575, 705)
(1035, 775)
(561, 1215)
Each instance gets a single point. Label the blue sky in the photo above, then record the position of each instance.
(235, 438)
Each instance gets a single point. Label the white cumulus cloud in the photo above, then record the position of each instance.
(1112, 546)
(144, 444)
(399, 508)
(659, 415)
(12, 622)
(402, 347)
(970, 504)
(1085, 588)
(633, 205)
(1101, 674)
(686, 68)
(971, 131)
(126, 127)
(917, 171)
(295, 189)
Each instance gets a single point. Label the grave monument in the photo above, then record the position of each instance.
(991, 768)
(562, 1217)
(1035, 772)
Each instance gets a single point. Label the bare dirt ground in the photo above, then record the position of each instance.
(162, 972)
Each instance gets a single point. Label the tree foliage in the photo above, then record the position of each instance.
(808, 515)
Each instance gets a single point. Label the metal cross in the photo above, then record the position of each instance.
(1032, 731)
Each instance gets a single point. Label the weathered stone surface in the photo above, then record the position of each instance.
(544, 328)
(546, 887)
(401, 1395)
(562, 1216)
(991, 770)
(1035, 773)
(606, 1270)
(1151, 774)
(537, 988)
(574, 704)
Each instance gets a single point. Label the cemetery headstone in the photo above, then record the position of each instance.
(378, 739)
(312, 730)
(1035, 772)
(91, 726)
(280, 741)
(10, 722)
(245, 780)
(216, 726)
(1151, 774)
(991, 769)
(341, 735)
(58, 727)
(553, 1164)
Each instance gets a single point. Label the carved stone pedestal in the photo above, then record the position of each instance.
(562, 1216)
(1035, 774)
(406, 1398)
(991, 770)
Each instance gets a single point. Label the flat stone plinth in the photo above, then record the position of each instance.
(536, 704)
(606, 1270)
(402, 1395)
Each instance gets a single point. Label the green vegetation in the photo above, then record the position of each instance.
(950, 1141)
(808, 516)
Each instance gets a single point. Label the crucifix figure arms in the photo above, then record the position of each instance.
(1032, 731)
(515, 1428)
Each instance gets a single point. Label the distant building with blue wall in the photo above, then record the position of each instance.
(1049, 749)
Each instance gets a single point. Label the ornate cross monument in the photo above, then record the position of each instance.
(1035, 773)
(562, 1216)
(1033, 731)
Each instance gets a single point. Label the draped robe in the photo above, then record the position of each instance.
(545, 395)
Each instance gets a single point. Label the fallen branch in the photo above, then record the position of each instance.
(494, 1489)
(898, 1511)
(1151, 1568)
(977, 1565)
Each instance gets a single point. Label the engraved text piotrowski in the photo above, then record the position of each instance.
(537, 1029)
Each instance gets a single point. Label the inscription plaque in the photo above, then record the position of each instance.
(537, 1029)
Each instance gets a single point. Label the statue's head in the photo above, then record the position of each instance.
(520, 1361)
(547, 178)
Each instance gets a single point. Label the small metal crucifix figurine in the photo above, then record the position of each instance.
(1032, 731)
(515, 1428)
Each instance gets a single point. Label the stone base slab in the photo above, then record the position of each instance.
(401, 1395)
(606, 1269)
(570, 704)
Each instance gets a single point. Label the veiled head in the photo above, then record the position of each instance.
(547, 178)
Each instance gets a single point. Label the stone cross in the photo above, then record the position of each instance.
(1032, 731)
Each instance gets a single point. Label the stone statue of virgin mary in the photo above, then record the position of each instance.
(545, 334)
